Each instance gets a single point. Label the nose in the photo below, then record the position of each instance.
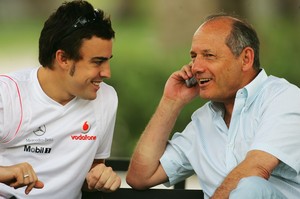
(105, 71)
(197, 66)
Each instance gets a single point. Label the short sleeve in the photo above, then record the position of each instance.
(174, 160)
(107, 105)
(11, 110)
(279, 133)
(1, 115)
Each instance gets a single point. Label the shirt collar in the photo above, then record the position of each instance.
(254, 87)
(250, 91)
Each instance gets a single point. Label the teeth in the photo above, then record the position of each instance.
(204, 80)
(96, 83)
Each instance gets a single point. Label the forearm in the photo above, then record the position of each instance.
(232, 180)
(3, 177)
(256, 163)
(229, 183)
(152, 144)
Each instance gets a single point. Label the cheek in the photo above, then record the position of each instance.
(78, 81)
(233, 79)
(91, 72)
(228, 77)
(85, 73)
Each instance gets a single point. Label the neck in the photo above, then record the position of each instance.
(50, 82)
(228, 112)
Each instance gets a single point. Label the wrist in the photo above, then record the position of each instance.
(170, 106)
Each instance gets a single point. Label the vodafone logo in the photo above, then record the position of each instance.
(86, 127)
(84, 137)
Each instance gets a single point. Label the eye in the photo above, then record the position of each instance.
(209, 56)
(193, 57)
(98, 62)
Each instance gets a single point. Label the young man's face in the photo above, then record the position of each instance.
(86, 74)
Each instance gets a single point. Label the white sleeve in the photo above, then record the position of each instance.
(107, 103)
(11, 110)
(1, 116)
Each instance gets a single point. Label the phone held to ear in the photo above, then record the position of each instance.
(191, 82)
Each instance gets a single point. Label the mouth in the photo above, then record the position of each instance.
(204, 80)
(96, 83)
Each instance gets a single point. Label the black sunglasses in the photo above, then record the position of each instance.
(81, 22)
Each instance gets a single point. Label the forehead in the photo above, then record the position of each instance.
(96, 47)
(212, 35)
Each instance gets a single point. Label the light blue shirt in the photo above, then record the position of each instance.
(266, 116)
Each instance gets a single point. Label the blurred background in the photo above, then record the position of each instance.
(153, 39)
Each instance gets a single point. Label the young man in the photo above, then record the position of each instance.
(57, 121)
(244, 142)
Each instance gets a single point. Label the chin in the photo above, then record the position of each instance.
(88, 97)
(92, 97)
(205, 97)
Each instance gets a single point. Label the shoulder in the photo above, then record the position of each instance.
(13, 88)
(17, 82)
(277, 96)
(16, 79)
(279, 82)
(275, 87)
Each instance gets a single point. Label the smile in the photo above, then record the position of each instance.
(204, 80)
(96, 83)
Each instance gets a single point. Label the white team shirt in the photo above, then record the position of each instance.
(60, 142)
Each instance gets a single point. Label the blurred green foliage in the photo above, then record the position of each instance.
(139, 72)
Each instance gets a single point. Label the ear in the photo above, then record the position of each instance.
(61, 59)
(247, 57)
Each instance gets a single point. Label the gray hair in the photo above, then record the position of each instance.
(242, 35)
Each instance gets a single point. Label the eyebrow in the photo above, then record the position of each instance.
(101, 58)
(207, 51)
(202, 51)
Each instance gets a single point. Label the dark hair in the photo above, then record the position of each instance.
(66, 28)
(242, 35)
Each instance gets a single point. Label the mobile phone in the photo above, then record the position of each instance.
(191, 82)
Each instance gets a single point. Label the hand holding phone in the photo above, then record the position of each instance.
(191, 82)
